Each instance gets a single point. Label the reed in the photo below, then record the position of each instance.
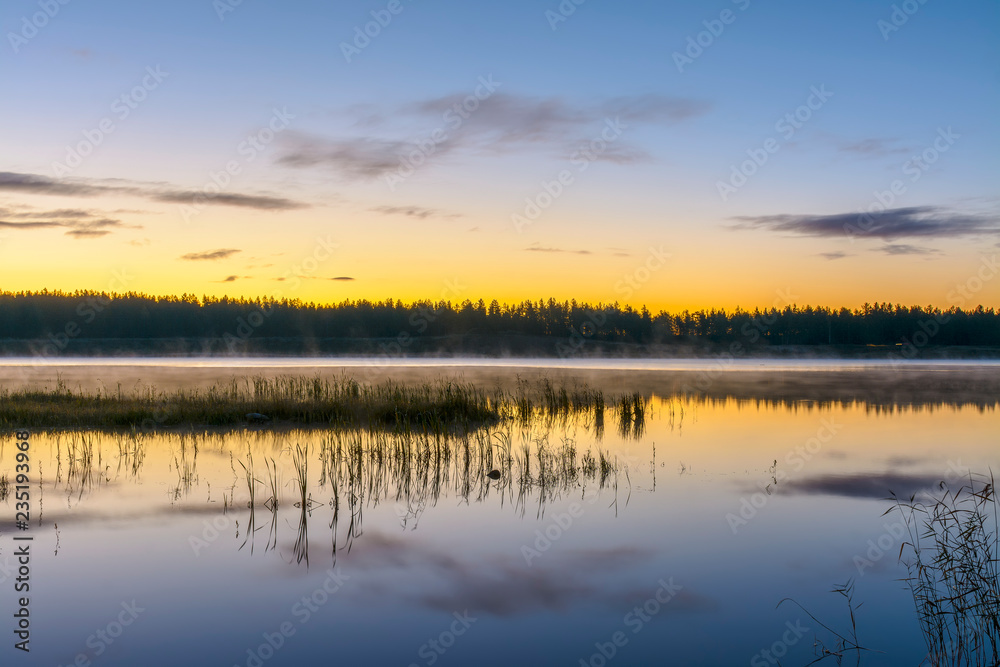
(952, 563)
(342, 401)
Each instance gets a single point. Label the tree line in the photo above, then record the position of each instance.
(58, 317)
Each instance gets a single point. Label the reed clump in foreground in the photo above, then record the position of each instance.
(952, 561)
(341, 401)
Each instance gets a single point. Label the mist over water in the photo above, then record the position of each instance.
(740, 489)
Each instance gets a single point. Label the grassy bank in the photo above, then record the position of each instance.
(315, 401)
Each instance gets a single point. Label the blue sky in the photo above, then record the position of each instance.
(892, 94)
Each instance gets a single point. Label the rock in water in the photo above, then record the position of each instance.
(257, 417)
(493, 474)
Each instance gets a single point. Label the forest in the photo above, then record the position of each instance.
(61, 321)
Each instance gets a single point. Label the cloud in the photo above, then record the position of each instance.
(353, 158)
(502, 585)
(894, 223)
(260, 202)
(211, 255)
(29, 225)
(574, 252)
(905, 249)
(337, 278)
(79, 223)
(502, 123)
(43, 185)
(833, 255)
(863, 485)
(872, 147)
(62, 213)
(620, 154)
(87, 233)
(414, 212)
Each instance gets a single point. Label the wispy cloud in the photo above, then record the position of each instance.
(573, 252)
(873, 147)
(76, 187)
(78, 223)
(501, 585)
(261, 202)
(503, 123)
(30, 225)
(210, 255)
(43, 185)
(336, 279)
(894, 223)
(414, 212)
(906, 249)
(833, 255)
(361, 158)
(87, 233)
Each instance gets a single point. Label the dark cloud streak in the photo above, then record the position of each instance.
(210, 255)
(43, 185)
(911, 222)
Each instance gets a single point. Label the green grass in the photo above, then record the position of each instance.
(441, 407)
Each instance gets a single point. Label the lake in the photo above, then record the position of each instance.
(669, 540)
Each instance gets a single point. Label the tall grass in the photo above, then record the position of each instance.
(952, 563)
(428, 408)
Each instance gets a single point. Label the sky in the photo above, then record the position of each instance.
(675, 155)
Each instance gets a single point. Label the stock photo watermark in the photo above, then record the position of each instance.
(890, 541)
(303, 611)
(562, 13)
(122, 107)
(453, 118)
(364, 34)
(31, 25)
(246, 326)
(633, 282)
(796, 459)
(786, 127)
(636, 621)
(779, 649)
(247, 151)
(87, 310)
(433, 649)
(420, 321)
(899, 17)
(552, 190)
(103, 638)
(752, 331)
(698, 43)
(914, 168)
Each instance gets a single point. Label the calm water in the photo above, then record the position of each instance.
(731, 498)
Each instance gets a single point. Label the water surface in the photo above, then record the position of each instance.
(732, 495)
